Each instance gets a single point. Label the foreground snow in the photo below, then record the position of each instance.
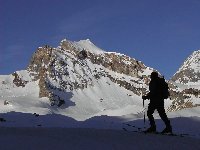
(89, 139)
(54, 131)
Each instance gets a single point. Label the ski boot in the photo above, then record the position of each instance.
(167, 130)
(152, 129)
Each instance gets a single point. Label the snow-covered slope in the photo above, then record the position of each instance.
(89, 139)
(87, 44)
(19, 93)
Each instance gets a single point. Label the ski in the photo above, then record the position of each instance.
(132, 128)
(166, 134)
(155, 133)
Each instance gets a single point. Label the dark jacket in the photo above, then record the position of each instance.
(155, 94)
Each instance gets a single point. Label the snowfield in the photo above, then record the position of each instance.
(89, 139)
(53, 131)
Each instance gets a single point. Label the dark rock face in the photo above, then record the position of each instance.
(39, 66)
(187, 75)
(118, 63)
(18, 81)
(40, 62)
(182, 99)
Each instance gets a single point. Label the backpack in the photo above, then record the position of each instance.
(164, 88)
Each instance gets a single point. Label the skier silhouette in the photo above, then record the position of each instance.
(156, 103)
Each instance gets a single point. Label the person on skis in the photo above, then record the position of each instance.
(156, 97)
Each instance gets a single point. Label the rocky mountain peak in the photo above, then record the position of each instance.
(189, 72)
(60, 69)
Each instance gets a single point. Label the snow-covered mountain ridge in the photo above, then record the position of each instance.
(58, 81)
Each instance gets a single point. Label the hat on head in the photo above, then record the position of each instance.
(154, 75)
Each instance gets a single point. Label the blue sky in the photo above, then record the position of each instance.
(160, 33)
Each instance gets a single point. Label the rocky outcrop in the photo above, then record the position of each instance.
(182, 104)
(39, 66)
(186, 75)
(118, 63)
(40, 62)
(18, 81)
(122, 83)
(182, 98)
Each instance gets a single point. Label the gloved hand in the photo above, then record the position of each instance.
(145, 97)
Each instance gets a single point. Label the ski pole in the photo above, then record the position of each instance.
(144, 109)
(144, 114)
